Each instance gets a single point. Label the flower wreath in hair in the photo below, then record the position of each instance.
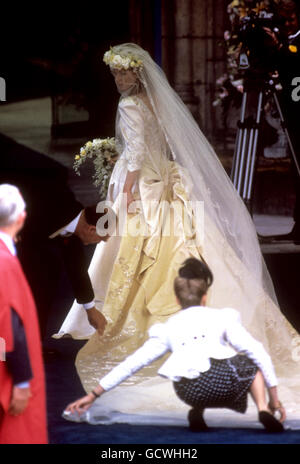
(114, 60)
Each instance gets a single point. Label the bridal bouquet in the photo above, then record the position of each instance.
(104, 155)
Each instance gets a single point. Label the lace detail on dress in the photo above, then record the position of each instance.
(128, 275)
(138, 133)
(131, 133)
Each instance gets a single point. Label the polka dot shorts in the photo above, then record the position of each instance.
(225, 385)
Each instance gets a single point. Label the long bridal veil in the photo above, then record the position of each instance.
(231, 249)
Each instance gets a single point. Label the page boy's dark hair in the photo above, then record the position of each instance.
(194, 279)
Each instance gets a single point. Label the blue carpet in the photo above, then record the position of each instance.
(63, 386)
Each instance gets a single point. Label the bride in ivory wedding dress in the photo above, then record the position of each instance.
(180, 203)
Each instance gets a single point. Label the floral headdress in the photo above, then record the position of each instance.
(114, 60)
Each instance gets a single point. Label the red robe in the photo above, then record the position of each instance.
(30, 427)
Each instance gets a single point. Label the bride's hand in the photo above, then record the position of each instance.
(131, 179)
(81, 405)
(130, 199)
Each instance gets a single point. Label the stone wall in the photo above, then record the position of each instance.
(193, 55)
(192, 58)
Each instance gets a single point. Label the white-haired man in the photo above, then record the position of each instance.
(22, 393)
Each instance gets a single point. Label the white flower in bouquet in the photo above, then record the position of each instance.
(104, 155)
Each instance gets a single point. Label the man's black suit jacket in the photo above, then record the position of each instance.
(51, 205)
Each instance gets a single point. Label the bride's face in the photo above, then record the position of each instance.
(124, 79)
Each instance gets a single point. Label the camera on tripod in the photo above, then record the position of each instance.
(258, 61)
(257, 49)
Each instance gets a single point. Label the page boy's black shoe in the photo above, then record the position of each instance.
(196, 421)
(270, 423)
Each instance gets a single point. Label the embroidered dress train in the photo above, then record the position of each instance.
(133, 272)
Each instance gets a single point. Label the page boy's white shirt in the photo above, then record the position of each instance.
(194, 335)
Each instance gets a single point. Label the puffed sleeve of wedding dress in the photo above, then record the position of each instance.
(131, 126)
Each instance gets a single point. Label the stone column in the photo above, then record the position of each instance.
(141, 16)
(208, 25)
(178, 49)
(192, 57)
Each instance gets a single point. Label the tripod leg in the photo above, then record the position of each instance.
(237, 156)
(240, 179)
(248, 161)
(248, 194)
(236, 164)
(250, 167)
